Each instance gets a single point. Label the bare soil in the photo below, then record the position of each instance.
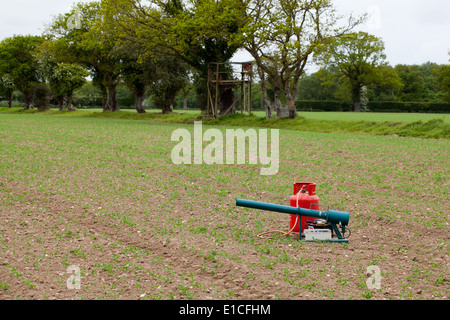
(134, 238)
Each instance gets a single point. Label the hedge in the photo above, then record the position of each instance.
(317, 105)
(378, 106)
(409, 107)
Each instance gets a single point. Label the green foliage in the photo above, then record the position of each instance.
(413, 82)
(65, 79)
(418, 83)
(443, 76)
(392, 124)
(87, 96)
(7, 87)
(432, 91)
(169, 30)
(125, 96)
(166, 77)
(18, 60)
(360, 61)
(42, 94)
(434, 129)
(135, 49)
(88, 45)
(323, 85)
(134, 71)
(281, 35)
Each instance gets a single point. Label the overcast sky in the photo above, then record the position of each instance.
(414, 31)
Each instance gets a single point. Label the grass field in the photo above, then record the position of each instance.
(104, 196)
(330, 116)
(428, 126)
(344, 116)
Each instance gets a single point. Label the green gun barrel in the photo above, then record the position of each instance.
(332, 216)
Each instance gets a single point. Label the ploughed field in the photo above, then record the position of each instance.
(102, 196)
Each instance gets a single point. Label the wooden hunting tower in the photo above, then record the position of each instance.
(222, 80)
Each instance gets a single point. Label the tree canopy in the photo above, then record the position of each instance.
(361, 62)
(18, 59)
(282, 35)
(156, 49)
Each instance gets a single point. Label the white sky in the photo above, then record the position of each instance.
(414, 31)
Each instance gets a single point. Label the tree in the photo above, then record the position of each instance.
(282, 35)
(443, 75)
(432, 91)
(389, 88)
(64, 79)
(7, 87)
(134, 76)
(321, 85)
(196, 33)
(360, 61)
(413, 82)
(265, 103)
(18, 60)
(185, 91)
(42, 95)
(88, 44)
(166, 77)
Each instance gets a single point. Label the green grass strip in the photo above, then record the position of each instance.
(431, 129)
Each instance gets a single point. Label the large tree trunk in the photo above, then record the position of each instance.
(28, 97)
(185, 102)
(291, 94)
(290, 98)
(10, 100)
(112, 93)
(166, 108)
(69, 104)
(138, 101)
(356, 95)
(264, 100)
(105, 101)
(185, 91)
(61, 103)
(281, 110)
(167, 102)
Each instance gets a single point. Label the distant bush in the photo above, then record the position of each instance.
(87, 101)
(90, 96)
(42, 95)
(92, 101)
